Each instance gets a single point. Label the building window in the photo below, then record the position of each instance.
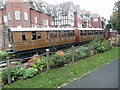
(17, 15)
(44, 8)
(26, 16)
(95, 19)
(5, 20)
(45, 22)
(9, 15)
(59, 11)
(52, 23)
(35, 19)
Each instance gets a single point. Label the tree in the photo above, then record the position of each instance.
(115, 17)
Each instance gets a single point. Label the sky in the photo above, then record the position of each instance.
(102, 7)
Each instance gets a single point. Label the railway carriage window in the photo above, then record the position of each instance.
(34, 35)
(62, 34)
(68, 33)
(65, 33)
(94, 32)
(53, 34)
(58, 33)
(39, 36)
(91, 32)
(81, 33)
(73, 33)
(97, 32)
(85, 32)
(47, 35)
(88, 32)
(24, 37)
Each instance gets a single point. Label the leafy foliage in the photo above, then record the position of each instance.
(4, 77)
(4, 55)
(81, 52)
(40, 65)
(58, 59)
(16, 73)
(30, 72)
(115, 17)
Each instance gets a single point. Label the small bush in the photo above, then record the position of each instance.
(40, 65)
(3, 55)
(16, 73)
(4, 77)
(103, 48)
(30, 72)
(58, 59)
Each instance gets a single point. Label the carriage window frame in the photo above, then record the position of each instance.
(34, 35)
(24, 38)
(38, 36)
(68, 33)
(62, 34)
(47, 35)
(81, 33)
(53, 34)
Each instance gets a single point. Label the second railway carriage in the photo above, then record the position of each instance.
(88, 34)
(33, 39)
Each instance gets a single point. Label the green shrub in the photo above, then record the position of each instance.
(4, 77)
(81, 52)
(80, 55)
(16, 74)
(30, 72)
(103, 48)
(39, 65)
(57, 60)
(3, 55)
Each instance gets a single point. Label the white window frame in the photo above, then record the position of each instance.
(52, 22)
(45, 22)
(26, 16)
(95, 19)
(17, 15)
(9, 15)
(5, 20)
(35, 19)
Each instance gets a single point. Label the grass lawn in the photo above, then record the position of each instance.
(60, 76)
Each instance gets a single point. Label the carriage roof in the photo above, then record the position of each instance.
(48, 29)
(39, 29)
(89, 28)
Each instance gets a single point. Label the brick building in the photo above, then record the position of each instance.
(39, 14)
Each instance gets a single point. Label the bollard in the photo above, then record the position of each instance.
(47, 60)
(8, 71)
(73, 53)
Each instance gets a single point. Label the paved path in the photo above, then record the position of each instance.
(104, 77)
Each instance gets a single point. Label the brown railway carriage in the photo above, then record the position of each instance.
(23, 39)
(88, 34)
(32, 38)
